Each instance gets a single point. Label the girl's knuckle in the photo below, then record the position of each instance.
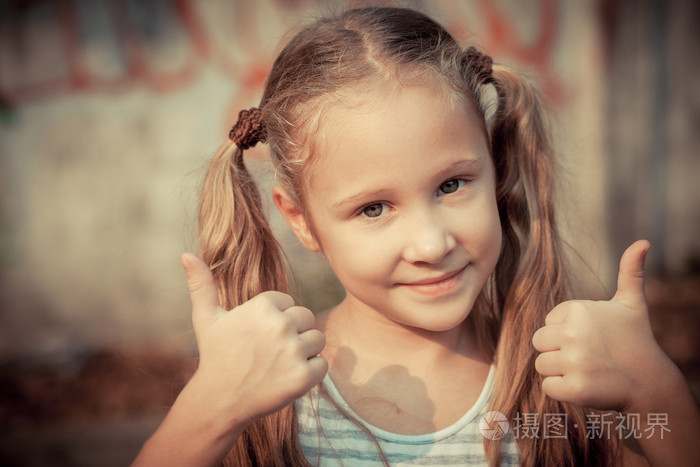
(317, 337)
(578, 310)
(578, 388)
(576, 359)
(262, 301)
(279, 324)
(572, 334)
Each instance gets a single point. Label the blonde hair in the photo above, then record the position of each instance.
(395, 45)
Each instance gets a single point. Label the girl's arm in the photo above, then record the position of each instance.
(193, 432)
(603, 355)
(669, 421)
(254, 360)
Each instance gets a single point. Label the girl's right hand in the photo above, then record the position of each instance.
(256, 358)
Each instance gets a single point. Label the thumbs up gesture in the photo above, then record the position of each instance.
(602, 354)
(257, 357)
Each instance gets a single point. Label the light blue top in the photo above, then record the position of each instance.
(329, 438)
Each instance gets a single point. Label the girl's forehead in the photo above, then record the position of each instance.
(378, 102)
(385, 132)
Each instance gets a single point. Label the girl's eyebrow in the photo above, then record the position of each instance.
(357, 198)
(369, 193)
(466, 164)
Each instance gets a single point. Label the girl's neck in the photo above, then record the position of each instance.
(353, 325)
(397, 378)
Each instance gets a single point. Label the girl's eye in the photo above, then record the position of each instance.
(373, 210)
(451, 186)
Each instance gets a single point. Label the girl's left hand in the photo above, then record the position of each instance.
(603, 354)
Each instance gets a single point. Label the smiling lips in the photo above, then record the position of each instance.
(438, 285)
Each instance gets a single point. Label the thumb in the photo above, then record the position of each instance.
(203, 294)
(630, 279)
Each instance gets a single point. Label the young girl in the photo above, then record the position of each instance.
(440, 225)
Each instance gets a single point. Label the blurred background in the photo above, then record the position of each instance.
(110, 110)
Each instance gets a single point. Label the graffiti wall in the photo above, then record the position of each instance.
(111, 108)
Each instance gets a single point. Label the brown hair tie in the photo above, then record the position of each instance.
(481, 64)
(249, 130)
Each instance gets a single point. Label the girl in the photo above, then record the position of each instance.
(440, 225)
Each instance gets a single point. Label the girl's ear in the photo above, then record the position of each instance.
(295, 219)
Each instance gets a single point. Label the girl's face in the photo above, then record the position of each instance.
(402, 200)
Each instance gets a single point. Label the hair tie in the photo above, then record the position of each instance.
(249, 130)
(481, 64)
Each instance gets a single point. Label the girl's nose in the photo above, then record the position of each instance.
(427, 241)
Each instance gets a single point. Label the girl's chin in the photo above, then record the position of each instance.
(439, 324)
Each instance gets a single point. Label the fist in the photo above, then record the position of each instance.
(602, 354)
(256, 358)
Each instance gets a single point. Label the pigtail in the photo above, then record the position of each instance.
(270, 441)
(530, 278)
(245, 259)
(235, 238)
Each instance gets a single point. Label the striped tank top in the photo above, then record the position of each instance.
(329, 438)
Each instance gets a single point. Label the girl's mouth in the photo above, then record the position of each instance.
(437, 285)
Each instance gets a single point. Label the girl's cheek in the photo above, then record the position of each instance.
(371, 254)
(480, 227)
(350, 246)
(495, 230)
